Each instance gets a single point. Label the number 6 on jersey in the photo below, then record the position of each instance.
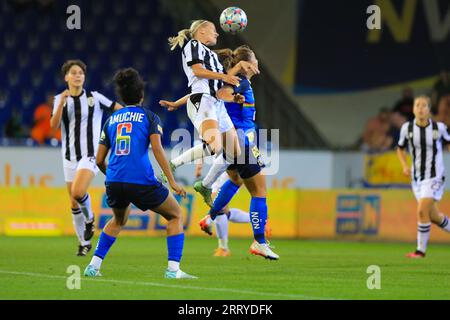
(123, 141)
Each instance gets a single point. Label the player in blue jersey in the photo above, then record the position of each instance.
(242, 114)
(129, 173)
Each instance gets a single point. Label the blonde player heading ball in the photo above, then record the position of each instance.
(424, 138)
(205, 75)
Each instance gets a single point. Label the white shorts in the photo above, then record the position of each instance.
(429, 188)
(219, 182)
(202, 106)
(71, 167)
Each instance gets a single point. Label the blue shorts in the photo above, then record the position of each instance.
(120, 194)
(249, 163)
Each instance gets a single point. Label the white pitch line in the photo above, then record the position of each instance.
(155, 284)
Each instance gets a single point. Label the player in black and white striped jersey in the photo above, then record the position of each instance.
(208, 114)
(424, 139)
(80, 112)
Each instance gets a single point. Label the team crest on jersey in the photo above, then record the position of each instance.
(410, 135)
(90, 101)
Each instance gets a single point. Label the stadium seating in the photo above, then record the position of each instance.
(113, 35)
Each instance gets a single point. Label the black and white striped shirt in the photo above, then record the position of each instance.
(425, 146)
(81, 124)
(195, 52)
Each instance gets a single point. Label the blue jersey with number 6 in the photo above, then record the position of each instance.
(127, 134)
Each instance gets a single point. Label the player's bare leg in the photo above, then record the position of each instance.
(80, 185)
(424, 225)
(79, 223)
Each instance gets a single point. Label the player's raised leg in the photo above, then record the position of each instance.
(439, 218)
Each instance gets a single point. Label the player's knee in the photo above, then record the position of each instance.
(78, 194)
(258, 191)
(425, 206)
(176, 215)
(216, 146)
(235, 178)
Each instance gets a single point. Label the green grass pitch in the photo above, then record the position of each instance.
(35, 268)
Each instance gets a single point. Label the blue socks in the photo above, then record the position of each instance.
(104, 244)
(175, 247)
(258, 218)
(226, 193)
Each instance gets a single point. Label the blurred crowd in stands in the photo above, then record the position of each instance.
(381, 132)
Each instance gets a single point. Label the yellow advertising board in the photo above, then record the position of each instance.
(350, 214)
(384, 169)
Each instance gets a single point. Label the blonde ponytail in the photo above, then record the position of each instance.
(185, 34)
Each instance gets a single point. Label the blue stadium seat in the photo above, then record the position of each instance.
(114, 35)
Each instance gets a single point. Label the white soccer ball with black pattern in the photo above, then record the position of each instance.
(233, 20)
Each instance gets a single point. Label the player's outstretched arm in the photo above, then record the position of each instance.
(243, 66)
(200, 72)
(101, 157)
(401, 154)
(227, 94)
(160, 156)
(171, 106)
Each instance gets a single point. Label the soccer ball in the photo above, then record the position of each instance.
(233, 20)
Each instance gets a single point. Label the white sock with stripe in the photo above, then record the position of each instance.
(78, 222)
(85, 205)
(445, 225)
(423, 235)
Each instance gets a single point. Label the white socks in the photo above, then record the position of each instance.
(223, 243)
(423, 235)
(173, 265)
(85, 205)
(96, 262)
(222, 230)
(78, 222)
(235, 215)
(239, 216)
(199, 151)
(218, 167)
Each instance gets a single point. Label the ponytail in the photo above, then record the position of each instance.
(226, 58)
(178, 40)
(185, 34)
